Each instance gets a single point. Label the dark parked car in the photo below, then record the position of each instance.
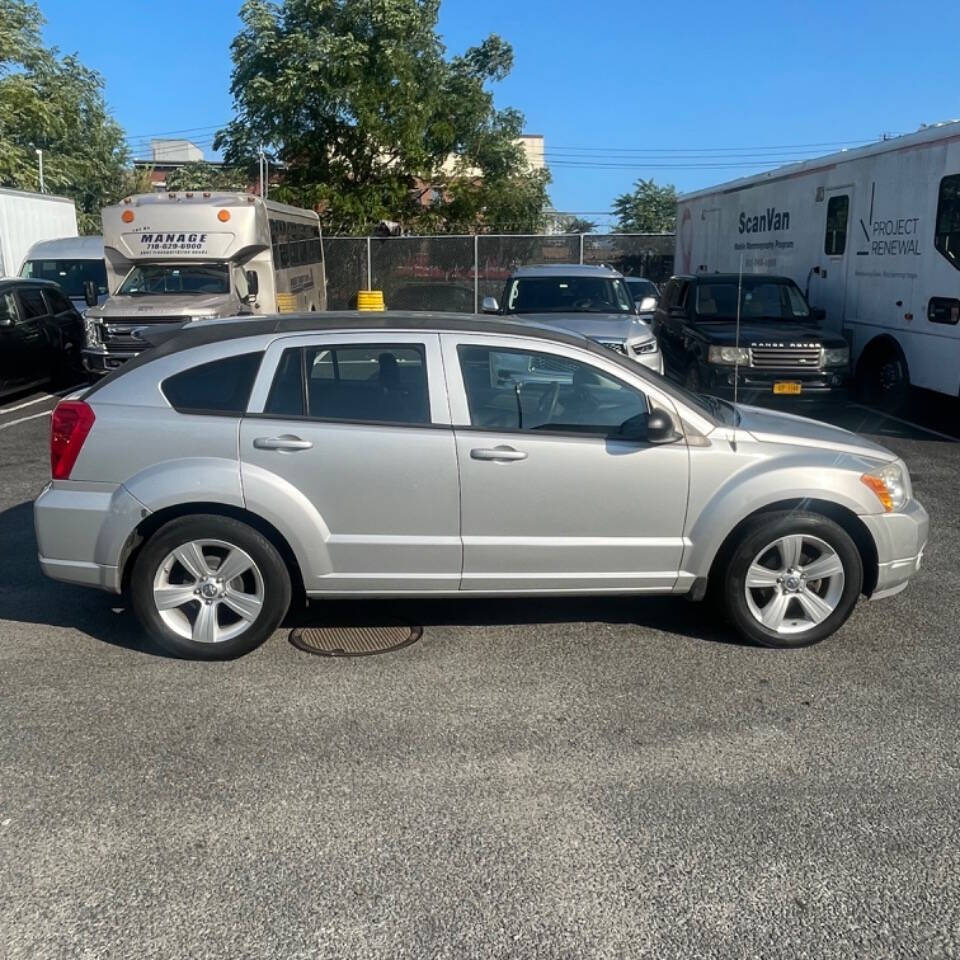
(41, 334)
(780, 349)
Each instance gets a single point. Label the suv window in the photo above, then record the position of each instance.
(380, 383)
(220, 387)
(56, 301)
(947, 236)
(523, 390)
(31, 302)
(570, 294)
(8, 309)
(835, 239)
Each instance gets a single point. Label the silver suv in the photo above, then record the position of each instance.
(589, 299)
(241, 463)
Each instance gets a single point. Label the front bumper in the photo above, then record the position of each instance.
(815, 386)
(100, 362)
(900, 539)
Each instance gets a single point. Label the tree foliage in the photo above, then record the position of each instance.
(358, 101)
(55, 104)
(649, 209)
(200, 175)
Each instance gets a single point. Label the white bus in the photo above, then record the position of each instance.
(872, 236)
(176, 257)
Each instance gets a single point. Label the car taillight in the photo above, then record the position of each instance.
(72, 420)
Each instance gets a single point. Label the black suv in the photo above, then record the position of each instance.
(781, 349)
(41, 334)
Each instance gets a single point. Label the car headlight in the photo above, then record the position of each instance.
(647, 304)
(645, 346)
(91, 332)
(890, 483)
(836, 356)
(729, 355)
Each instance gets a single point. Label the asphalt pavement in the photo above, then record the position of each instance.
(536, 778)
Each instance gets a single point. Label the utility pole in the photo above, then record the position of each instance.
(40, 161)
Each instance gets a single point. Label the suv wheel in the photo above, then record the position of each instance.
(209, 588)
(792, 579)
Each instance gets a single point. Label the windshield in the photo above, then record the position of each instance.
(568, 295)
(761, 299)
(156, 279)
(70, 274)
(641, 288)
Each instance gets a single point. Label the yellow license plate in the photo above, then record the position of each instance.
(787, 386)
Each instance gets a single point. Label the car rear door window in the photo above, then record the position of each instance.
(56, 301)
(32, 305)
(220, 387)
(368, 383)
(524, 390)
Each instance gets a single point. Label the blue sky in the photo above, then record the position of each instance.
(693, 94)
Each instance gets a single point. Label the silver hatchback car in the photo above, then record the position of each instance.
(240, 463)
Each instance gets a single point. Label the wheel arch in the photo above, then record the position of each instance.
(877, 346)
(840, 514)
(150, 524)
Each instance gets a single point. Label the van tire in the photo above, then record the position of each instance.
(883, 378)
(755, 537)
(267, 581)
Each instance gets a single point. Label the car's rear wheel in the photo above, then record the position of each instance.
(792, 579)
(208, 587)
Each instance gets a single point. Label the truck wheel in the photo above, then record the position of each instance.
(883, 379)
(209, 588)
(792, 579)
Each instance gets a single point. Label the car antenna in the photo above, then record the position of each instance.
(736, 352)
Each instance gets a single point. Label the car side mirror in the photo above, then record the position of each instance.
(489, 305)
(678, 313)
(90, 293)
(818, 314)
(660, 428)
(253, 283)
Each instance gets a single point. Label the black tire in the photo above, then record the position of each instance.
(763, 531)
(692, 379)
(883, 379)
(273, 572)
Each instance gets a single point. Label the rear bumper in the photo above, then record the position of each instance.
(82, 529)
(900, 539)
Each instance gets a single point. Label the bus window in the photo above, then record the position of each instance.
(835, 240)
(947, 236)
(944, 310)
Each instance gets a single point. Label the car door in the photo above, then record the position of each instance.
(27, 338)
(356, 427)
(12, 373)
(553, 497)
(66, 325)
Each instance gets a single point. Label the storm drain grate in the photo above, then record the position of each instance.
(353, 641)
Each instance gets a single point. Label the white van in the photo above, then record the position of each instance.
(872, 236)
(72, 262)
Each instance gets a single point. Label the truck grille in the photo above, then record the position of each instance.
(786, 356)
(119, 333)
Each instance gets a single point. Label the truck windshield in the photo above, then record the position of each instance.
(155, 279)
(568, 295)
(761, 299)
(70, 274)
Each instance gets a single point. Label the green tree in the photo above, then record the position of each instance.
(55, 104)
(358, 101)
(200, 175)
(579, 225)
(649, 209)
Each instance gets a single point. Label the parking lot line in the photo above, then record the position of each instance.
(13, 423)
(906, 423)
(40, 399)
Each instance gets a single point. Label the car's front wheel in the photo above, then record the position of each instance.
(208, 587)
(792, 579)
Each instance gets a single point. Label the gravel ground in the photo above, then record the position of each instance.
(602, 778)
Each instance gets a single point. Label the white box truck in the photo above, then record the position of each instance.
(871, 235)
(28, 217)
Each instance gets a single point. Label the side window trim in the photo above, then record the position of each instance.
(428, 341)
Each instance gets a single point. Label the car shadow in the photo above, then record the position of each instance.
(27, 596)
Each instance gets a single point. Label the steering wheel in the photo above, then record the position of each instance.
(548, 402)
(584, 303)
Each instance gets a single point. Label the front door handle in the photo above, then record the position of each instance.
(285, 442)
(502, 454)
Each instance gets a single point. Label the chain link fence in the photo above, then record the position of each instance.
(457, 272)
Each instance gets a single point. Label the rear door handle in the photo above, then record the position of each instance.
(285, 442)
(501, 454)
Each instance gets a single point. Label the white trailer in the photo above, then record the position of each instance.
(28, 217)
(872, 235)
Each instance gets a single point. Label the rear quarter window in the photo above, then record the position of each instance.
(219, 387)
